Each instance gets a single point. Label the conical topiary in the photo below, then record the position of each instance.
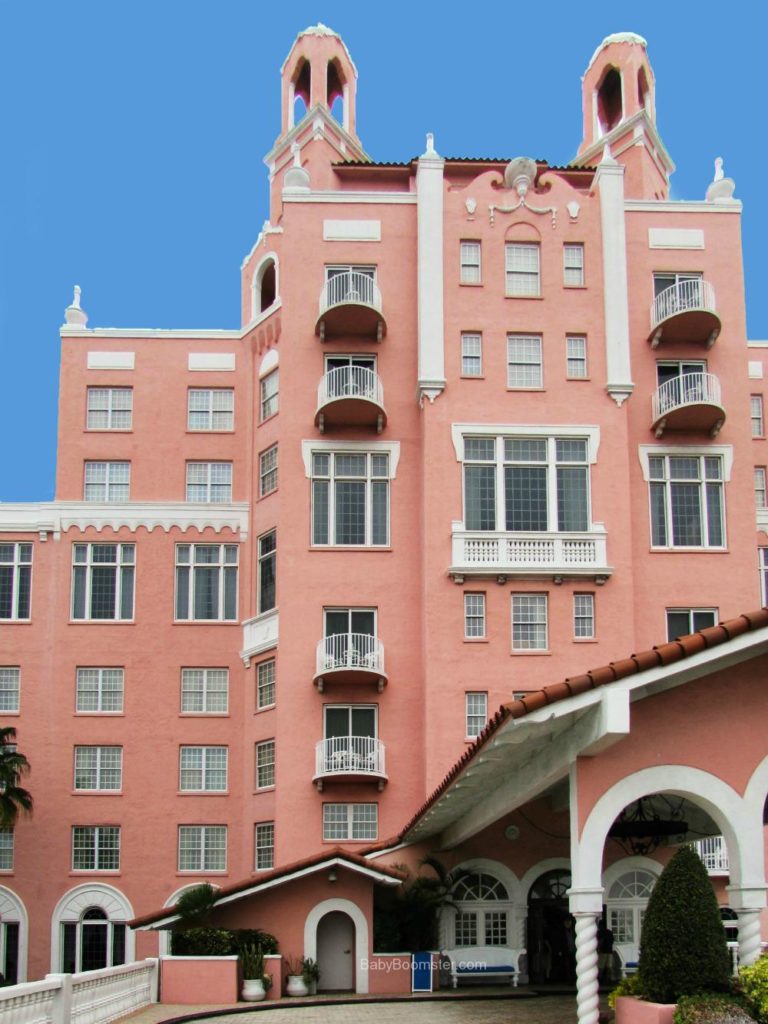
(682, 948)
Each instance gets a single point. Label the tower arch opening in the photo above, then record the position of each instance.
(610, 106)
(335, 87)
(643, 91)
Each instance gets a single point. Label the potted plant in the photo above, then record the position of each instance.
(310, 972)
(252, 964)
(295, 984)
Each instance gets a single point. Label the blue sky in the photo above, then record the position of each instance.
(133, 137)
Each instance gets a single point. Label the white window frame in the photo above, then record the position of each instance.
(207, 853)
(100, 690)
(576, 366)
(104, 773)
(214, 491)
(106, 856)
(522, 282)
(761, 494)
(361, 826)
(475, 713)
(477, 921)
(114, 489)
(110, 408)
(471, 354)
(525, 356)
(584, 627)
(19, 561)
(757, 415)
(762, 568)
(573, 264)
(197, 687)
(266, 563)
(264, 845)
(266, 683)
(268, 471)
(7, 847)
(266, 764)
(269, 392)
(189, 566)
(522, 624)
(203, 769)
(470, 262)
(10, 689)
(333, 476)
(691, 613)
(474, 615)
(211, 418)
(666, 483)
(124, 566)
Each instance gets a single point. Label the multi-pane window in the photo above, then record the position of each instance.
(209, 481)
(15, 580)
(584, 616)
(265, 764)
(203, 769)
(476, 712)
(269, 395)
(522, 268)
(469, 255)
(268, 471)
(760, 493)
(465, 928)
(107, 481)
(576, 356)
(10, 679)
(267, 571)
(474, 616)
(92, 942)
(495, 927)
(529, 622)
(99, 690)
(350, 498)
(481, 913)
(206, 582)
(96, 848)
(110, 409)
(526, 483)
(103, 580)
(350, 821)
(204, 691)
(524, 362)
(471, 355)
(763, 569)
(684, 621)
(202, 847)
(756, 414)
(687, 505)
(265, 845)
(210, 409)
(573, 265)
(6, 848)
(265, 684)
(98, 767)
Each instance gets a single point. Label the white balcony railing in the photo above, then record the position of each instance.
(687, 389)
(350, 287)
(350, 382)
(350, 755)
(354, 651)
(484, 552)
(713, 853)
(683, 297)
(259, 634)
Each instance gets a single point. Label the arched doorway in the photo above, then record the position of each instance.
(336, 952)
(89, 930)
(551, 941)
(626, 901)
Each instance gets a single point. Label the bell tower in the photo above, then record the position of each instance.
(318, 72)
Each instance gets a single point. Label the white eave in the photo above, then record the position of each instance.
(57, 517)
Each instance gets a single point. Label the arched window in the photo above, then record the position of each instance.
(627, 900)
(92, 942)
(609, 100)
(482, 910)
(264, 288)
(335, 90)
(13, 937)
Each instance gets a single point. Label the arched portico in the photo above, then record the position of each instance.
(77, 902)
(13, 913)
(360, 922)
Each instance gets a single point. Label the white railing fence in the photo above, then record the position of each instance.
(350, 651)
(343, 754)
(713, 853)
(92, 997)
(501, 551)
(684, 295)
(350, 382)
(351, 286)
(687, 389)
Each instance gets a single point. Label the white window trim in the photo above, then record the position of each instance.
(221, 565)
(256, 847)
(108, 484)
(269, 785)
(590, 433)
(119, 565)
(97, 830)
(210, 412)
(547, 622)
(723, 451)
(205, 691)
(474, 693)
(391, 448)
(17, 670)
(98, 768)
(110, 408)
(203, 834)
(17, 565)
(349, 805)
(259, 705)
(204, 768)
(100, 688)
(480, 636)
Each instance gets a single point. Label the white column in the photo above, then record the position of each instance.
(587, 986)
(748, 901)
(429, 192)
(609, 181)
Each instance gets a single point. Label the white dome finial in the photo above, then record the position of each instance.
(74, 314)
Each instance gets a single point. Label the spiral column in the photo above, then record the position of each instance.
(587, 988)
(749, 936)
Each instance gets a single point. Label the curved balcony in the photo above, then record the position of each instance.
(350, 658)
(350, 758)
(350, 304)
(350, 396)
(685, 311)
(689, 402)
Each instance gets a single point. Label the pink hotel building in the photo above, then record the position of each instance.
(488, 423)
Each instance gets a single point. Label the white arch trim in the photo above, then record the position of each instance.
(361, 936)
(269, 362)
(12, 909)
(622, 867)
(258, 274)
(757, 790)
(492, 867)
(91, 894)
(539, 869)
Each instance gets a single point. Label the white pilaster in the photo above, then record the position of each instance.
(610, 183)
(429, 191)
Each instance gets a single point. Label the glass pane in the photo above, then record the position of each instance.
(526, 497)
(363, 622)
(320, 511)
(350, 512)
(480, 497)
(230, 593)
(93, 951)
(126, 597)
(380, 493)
(103, 591)
(686, 515)
(363, 721)
(714, 515)
(336, 622)
(118, 944)
(572, 499)
(703, 619)
(678, 624)
(68, 947)
(182, 593)
(337, 722)
(658, 516)
(206, 593)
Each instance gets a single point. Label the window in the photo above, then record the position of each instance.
(350, 732)
(206, 582)
(576, 357)
(573, 265)
(680, 383)
(209, 481)
(102, 581)
(351, 377)
(6, 848)
(524, 365)
(268, 471)
(584, 616)
(350, 498)
(110, 409)
(474, 616)
(107, 481)
(96, 848)
(476, 713)
(266, 684)
(760, 493)
(350, 283)
(203, 769)
(265, 845)
(99, 690)
(756, 411)
(687, 506)
(98, 768)
(93, 942)
(350, 639)
(682, 291)
(10, 679)
(763, 569)
(210, 409)
(267, 586)
(202, 847)
(269, 395)
(482, 906)
(527, 483)
(529, 622)
(626, 902)
(15, 580)
(265, 764)
(469, 254)
(522, 266)
(204, 691)
(683, 621)
(471, 355)
(350, 821)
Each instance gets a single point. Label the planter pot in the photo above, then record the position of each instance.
(296, 986)
(630, 1010)
(253, 990)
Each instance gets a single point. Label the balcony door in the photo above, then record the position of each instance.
(349, 636)
(687, 287)
(669, 370)
(353, 376)
(343, 721)
(358, 621)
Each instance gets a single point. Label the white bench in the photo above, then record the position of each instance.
(484, 963)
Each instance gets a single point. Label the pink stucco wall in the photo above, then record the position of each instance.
(190, 981)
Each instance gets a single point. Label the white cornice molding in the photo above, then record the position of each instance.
(757, 344)
(595, 151)
(337, 196)
(679, 206)
(58, 517)
(461, 430)
(139, 333)
(724, 451)
(309, 120)
(391, 448)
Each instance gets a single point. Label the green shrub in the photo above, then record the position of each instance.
(682, 948)
(196, 903)
(711, 1008)
(754, 985)
(242, 937)
(626, 987)
(201, 942)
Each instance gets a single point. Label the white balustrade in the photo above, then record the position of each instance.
(713, 853)
(497, 551)
(693, 294)
(350, 382)
(352, 286)
(687, 389)
(350, 651)
(341, 755)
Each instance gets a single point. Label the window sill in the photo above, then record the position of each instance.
(204, 714)
(206, 622)
(470, 284)
(102, 622)
(688, 551)
(201, 871)
(108, 430)
(575, 287)
(268, 418)
(96, 792)
(528, 654)
(264, 789)
(203, 430)
(348, 547)
(585, 640)
(335, 842)
(526, 389)
(584, 380)
(269, 494)
(16, 622)
(10, 714)
(476, 640)
(268, 707)
(202, 792)
(89, 872)
(471, 376)
(528, 298)
(98, 714)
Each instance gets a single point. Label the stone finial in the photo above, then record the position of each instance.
(722, 188)
(296, 177)
(74, 314)
(430, 150)
(520, 174)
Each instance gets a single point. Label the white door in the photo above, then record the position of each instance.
(336, 952)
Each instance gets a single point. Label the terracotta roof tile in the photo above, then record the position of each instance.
(625, 667)
(646, 659)
(579, 684)
(601, 676)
